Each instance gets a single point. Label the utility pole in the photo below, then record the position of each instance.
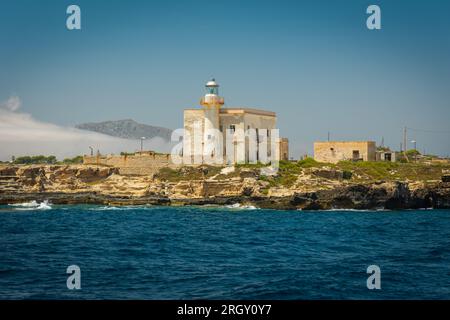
(142, 143)
(415, 149)
(404, 140)
(405, 144)
(328, 136)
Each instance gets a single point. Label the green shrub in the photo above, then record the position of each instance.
(35, 160)
(412, 153)
(308, 163)
(347, 175)
(74, 160)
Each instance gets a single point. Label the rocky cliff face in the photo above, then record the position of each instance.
(312, 191)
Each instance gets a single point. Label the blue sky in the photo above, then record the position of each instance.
(313, 62)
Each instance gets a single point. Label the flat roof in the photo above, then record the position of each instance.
(248, 110)
(237, 110)
(340, 141)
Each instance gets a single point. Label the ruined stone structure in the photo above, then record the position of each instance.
(335, 151)
(390, 156)
(230, 135)
(139, 163)
(284, 149)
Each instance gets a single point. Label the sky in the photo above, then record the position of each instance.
(315, 63)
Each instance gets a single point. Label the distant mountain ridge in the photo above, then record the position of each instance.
(127, 129)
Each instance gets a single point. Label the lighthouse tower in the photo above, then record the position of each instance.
(211, 103)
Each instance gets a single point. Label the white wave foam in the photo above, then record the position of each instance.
(45, 205)
(104, 208)
(240, 206)
(31, 204)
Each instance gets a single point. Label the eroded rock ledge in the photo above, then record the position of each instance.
(311, 191)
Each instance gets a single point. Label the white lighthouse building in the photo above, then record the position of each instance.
(212, 137)
(217, 135)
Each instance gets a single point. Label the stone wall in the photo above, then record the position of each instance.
(238, 153)
(193, 128)
(335, 151)
(145, 163)
(265, 120)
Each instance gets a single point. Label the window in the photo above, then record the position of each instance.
(213, 90)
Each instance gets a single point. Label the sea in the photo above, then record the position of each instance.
(211, 252)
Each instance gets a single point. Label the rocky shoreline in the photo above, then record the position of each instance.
(93, 185)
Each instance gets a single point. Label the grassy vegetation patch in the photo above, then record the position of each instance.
(289, 171)
(394, 170)
(187, 173)
(74, 160)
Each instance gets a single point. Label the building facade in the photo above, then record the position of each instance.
(335, 151)
(217, 135)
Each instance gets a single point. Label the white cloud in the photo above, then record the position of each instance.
(21, 134)
(12, 104)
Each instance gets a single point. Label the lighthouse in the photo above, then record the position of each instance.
(211, 103)
(207, 129)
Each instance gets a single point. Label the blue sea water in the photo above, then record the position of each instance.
(222, 253)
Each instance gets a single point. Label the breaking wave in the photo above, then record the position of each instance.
(32, 205)
(240, 206)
